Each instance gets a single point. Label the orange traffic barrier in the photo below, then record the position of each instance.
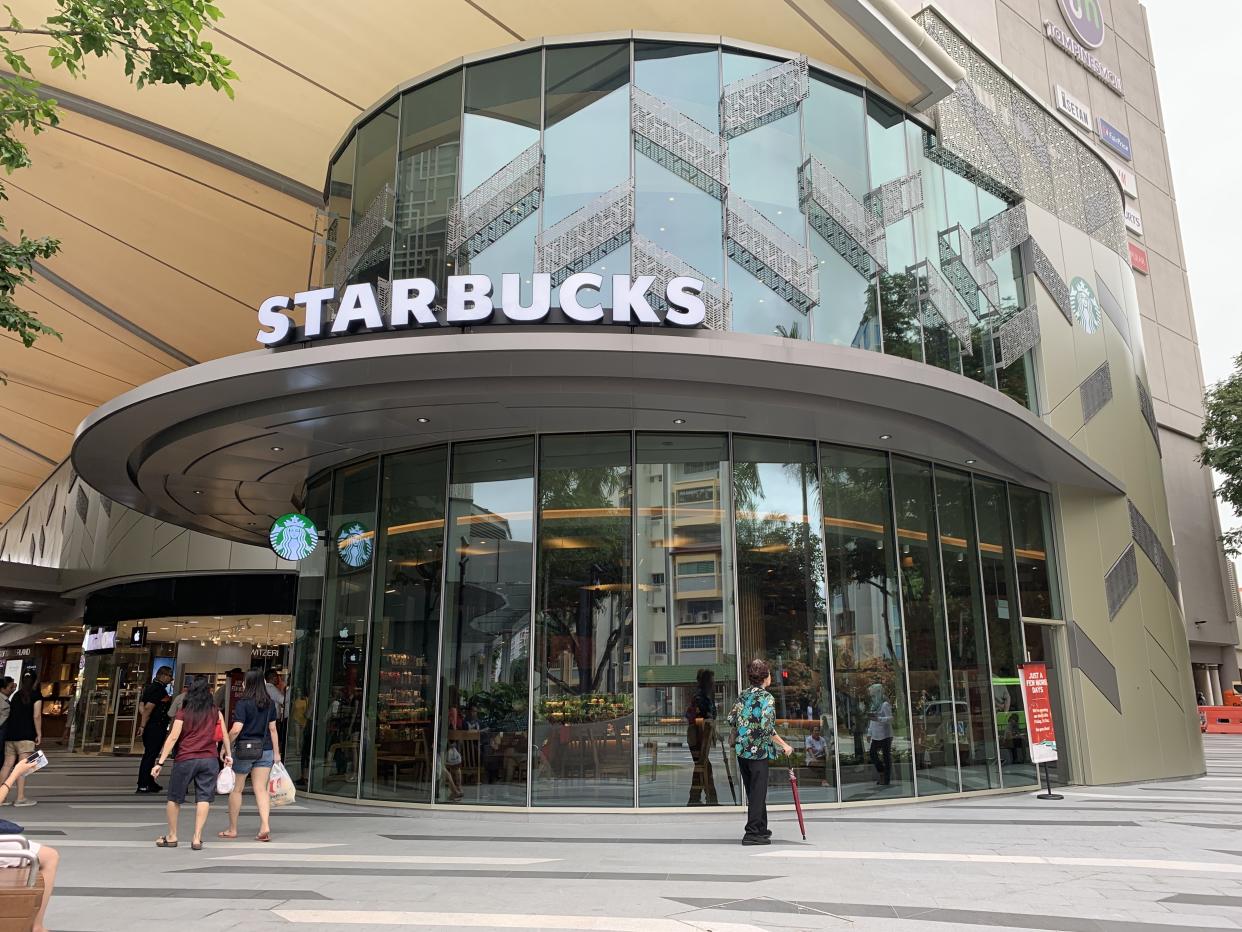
(1220, 719)
(1232, 698)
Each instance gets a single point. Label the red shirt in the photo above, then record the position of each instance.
(197, 743)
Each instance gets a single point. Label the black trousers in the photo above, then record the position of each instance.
(755, 779)
(882, 759)
(152, 742)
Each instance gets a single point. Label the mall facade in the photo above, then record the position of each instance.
(629, 353)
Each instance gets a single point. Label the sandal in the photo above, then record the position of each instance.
(263, 836)
(226, 834)
(163, 842)
(196, 846)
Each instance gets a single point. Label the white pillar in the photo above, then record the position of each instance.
(1218, 698)
(1201, 683)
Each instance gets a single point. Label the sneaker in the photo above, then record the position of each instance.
(25, 802)
(766, 833)
(756, 840)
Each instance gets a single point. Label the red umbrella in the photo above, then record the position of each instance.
(793, 785)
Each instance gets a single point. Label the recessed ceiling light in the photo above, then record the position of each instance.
(679, 420)
(424, 420)
(198, 491)
(277, 449)
(970, 462)
(886, 436)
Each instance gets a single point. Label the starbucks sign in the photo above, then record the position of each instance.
(293, 537)
(354, 544)
(1086, 307)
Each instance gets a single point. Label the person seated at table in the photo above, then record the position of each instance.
(472, 722)
(817, 753)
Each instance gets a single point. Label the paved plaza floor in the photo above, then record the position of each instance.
(1140, 858)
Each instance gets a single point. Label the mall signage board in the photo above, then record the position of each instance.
(1073, 108)
(1138, 259)
(1134, 220)
(1040, 731)
(1115, 139)
(470, 300)
(1127, 178)
(1082, 33)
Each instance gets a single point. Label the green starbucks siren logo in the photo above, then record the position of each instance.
(354, 544)
(293, 537)
(1086, 307)
(1086, 20)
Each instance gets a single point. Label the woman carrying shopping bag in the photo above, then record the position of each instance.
(256, 748)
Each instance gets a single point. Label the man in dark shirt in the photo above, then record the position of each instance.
(153, 727)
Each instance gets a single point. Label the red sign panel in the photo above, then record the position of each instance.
(1138, 258)
(1039, 728)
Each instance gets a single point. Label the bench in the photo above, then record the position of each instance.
(21, 886)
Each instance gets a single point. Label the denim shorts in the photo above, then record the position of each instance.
(265, 759)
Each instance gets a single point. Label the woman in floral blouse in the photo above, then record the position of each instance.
(754, 721)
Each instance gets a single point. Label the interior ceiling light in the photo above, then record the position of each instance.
(277, 449)
(886, 436)
(424, 420)
(970, 462)
(679, 420)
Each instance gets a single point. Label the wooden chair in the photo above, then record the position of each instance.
(471, 759)
(21, 887)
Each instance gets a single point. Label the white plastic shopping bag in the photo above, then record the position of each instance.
(280, 786)
(225, 781)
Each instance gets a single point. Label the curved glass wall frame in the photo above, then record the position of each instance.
(560, 621)
(611, 158)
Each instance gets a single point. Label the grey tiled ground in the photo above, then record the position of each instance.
(658, 873)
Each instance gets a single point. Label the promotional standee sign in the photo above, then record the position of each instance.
(1040, 732)
(471, 300)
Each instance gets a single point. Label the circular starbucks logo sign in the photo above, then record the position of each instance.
(293, 537)
(354, 544)
(1086, 20)
(1086, 307)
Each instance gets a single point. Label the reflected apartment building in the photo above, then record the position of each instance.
(930, 421)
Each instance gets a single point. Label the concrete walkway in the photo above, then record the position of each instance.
(1163, 857)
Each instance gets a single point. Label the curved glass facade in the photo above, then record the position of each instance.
(811, 207)
(560, 621)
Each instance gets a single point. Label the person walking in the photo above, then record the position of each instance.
(257, 748)
(7, 688)
(277, 692)
(754, 722)
(153, 709)
(195, 733)
(880, 730)
(23, 733)
(700, 735)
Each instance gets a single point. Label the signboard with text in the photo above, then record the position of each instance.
(1138, 259)
(1040, 732)
(1115, 139)
(1073, 108)
(1134, 220)
(1127, 179)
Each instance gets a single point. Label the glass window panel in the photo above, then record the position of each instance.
(343, 644)
(486, 671)
(939, 740)
(940, 347)
(867, 643)
(401, 688)
(835, 131)
(583, 742)
(587, 130)
(502, 120)
(781, 607)
(686, 76)
(886, 141)
(903, 333)
(847, 313)
(310, 607)
(972, 684)
(1032, 539)
(758, 309)
(340, 197)
(427, 179)
(687, 644)
(376, 167)
(1004, 629)
(763, 169)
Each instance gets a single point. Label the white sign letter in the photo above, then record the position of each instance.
(468, 299)
(314, 301)
(569, 297)
(270, 316)
(413, 296)
(685, 306)
(511, 297)
(628, 297)
(358, 307)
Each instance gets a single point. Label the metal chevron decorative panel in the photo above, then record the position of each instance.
(588, 234)
(1037, 261)
(935, 293)
(1148, 411)
(764, 97)
(970, 142)
(895, 199)
(1000, 233)
(1017, 335)
(650, 259)
(969, 275)
(1149, 542)
(370, 239)
(678, 143)
(500, 203)
(1095, 392)
(770, 254)
(1120, 581)
(855, 232)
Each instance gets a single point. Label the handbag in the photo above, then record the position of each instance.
(245, 749)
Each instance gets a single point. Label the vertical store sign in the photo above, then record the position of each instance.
(1039, 728)
(1074, 108)
(1115, 139)
(1134, 220)
(1138, 259)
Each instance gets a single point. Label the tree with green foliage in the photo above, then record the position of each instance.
(1222, 446)
(159, 42)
